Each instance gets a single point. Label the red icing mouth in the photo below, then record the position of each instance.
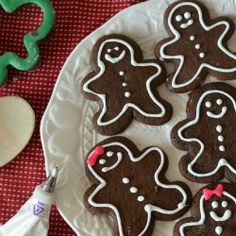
(94, 155)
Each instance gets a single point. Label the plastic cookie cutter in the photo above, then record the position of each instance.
(30, 39)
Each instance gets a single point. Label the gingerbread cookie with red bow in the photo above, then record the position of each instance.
(197, 45)
(130, 185)
(208, 134)
(213, 213)
(124, 85)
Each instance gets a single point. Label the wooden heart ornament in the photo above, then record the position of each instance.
(17, 122)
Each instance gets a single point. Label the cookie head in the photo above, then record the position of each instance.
(105, 159)
(216, 105)
(113, 51)
(183, 16)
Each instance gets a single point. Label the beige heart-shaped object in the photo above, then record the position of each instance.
(17, 122)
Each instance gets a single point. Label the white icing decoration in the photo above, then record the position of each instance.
(121, 73)
(141, 198)
(202, 55)
(208, 104)
(186, 25)
(125, 180)
(187, 15)
(227, 215)
(218, 230)
(192, 37)
(219, 101)
(217, 116)
(109, 50)
(197, 46)
(148, 207)
(102, 161)
(178, 18)
(181, 57)
(109, 153)
(222, 162)
(114, 60)
(221, 148)
(124, 84)
(219, 128)
(214, 204)
(133, 190)
(119, 158)
(220, 138)
(117, 48)
(203, 214)
(224, 204)
(127, 94)
(127, 105)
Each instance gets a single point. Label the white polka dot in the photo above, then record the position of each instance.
(102, 161)
(219, 128)
(109, 154)
(121, 73)
(222, 148)
(219, 101)
(197, 46)
(202, 55)
(178, 18)
(124, 84)
(214, 204)
(133, 190)
(125, 180)
(208, 104)
(127, 94)
(187, 15)
(224, 204)
(141, 198)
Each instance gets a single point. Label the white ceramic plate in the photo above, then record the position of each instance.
(66, 130)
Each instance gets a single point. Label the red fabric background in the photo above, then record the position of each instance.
(75, 19)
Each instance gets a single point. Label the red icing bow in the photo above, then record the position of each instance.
(209, 193)
(92, 159)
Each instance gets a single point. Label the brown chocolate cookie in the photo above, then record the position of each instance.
(213, 213)
(208, 134)
(197, 45)
(124, 85)
(130, 185)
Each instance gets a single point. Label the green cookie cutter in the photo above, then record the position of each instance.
(30, 39)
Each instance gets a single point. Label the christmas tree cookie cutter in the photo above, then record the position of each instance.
(30, 40)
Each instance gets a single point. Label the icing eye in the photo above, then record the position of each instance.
(109, 154)
(117, 48)
(187, 15)
(102, 161)
(214, 204)
(109, 50)
(224, 204)
(178, 18)
(219, 101)
(208, 104)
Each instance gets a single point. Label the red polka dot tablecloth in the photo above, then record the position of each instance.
(75, 19)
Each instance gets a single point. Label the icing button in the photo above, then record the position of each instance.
(219, 128)
(127, 94)
(141, 198)
(133, 190)
(220, 138)
(124, 84)
(125, 180)
(218, 230)
(222, 148)
(121, 73)
(197, 46)
(202, 55)
(192, 38)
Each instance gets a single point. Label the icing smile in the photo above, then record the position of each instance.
(115, 59)
(186, 25)
(227, 215)
(217, 116)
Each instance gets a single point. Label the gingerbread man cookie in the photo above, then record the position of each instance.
(197, 44)
(208, 134)
(131, 186)
(124, 85)
(213, 213)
